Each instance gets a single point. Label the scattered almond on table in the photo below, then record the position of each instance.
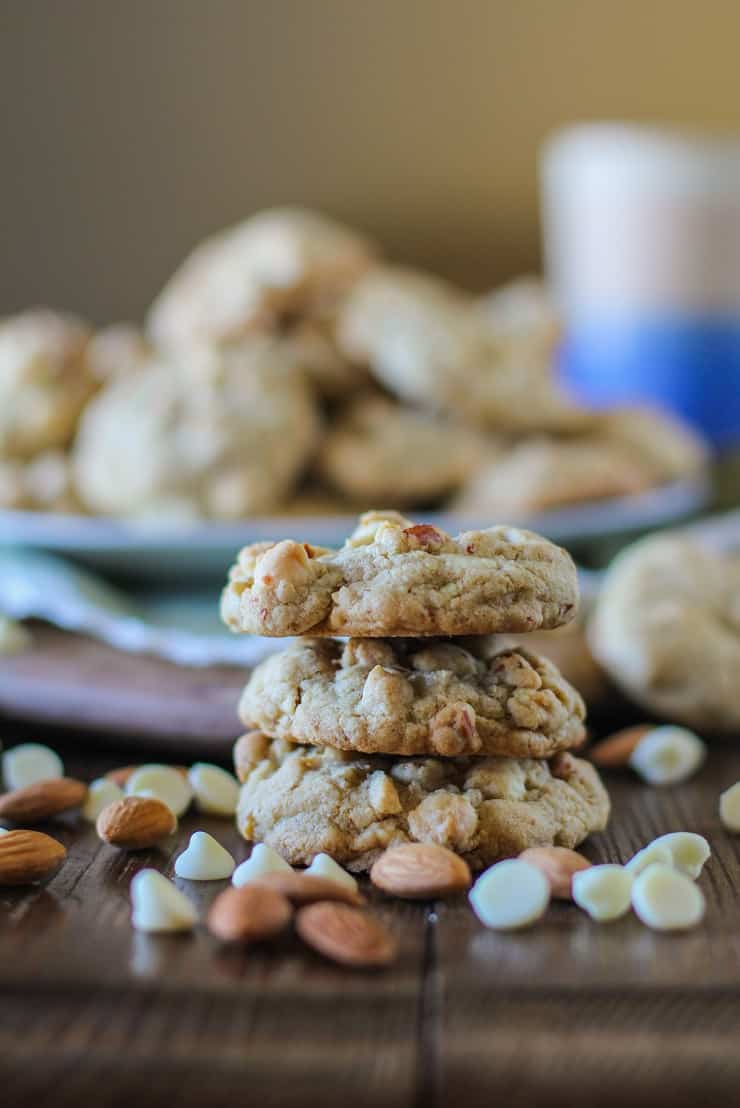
(42, 800)
(28, 856)
(345, 934)
(420, 871)
(136, 822)
(251, 914)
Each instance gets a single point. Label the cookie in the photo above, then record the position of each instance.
(378, 451)
(395, 578)
(663, 444)
(522, 313)
(425, 342)
(44, 484)
(411, 696)
(45, 380)
(278, 264)
(303, 801)
(217, 433)
(118, 350)
(666, 627)
(540, 474)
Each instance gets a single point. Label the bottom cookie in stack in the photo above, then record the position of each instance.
(368, 743)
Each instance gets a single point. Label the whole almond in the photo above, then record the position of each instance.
(42, 800)
(420, 871)
(136, 822)
(558, 864)
(345, 934)
(121, 775)
(27, 856)
(614, 751)
(249, 914)
(305, 888)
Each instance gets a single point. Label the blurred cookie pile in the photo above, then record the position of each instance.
(286, 368)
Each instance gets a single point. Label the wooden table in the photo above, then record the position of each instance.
(568, 1013)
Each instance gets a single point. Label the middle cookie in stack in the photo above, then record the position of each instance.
(410, 736)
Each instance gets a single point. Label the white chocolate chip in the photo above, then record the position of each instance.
(510, 895)
(163, 783)
(729, 807)
(667, 900)
(3, 831)
(216, 792)
(324, 866)
(28, 763)
(100, 794)
(668, 755)
(263, 859)
(689, 851)
(603, 891)
(653, 852)
(158, 905)
(205, 859)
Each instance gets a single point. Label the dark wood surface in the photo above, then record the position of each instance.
(567, 1013)
(81, 683)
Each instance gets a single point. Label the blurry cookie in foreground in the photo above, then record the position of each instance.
(117, 350)
(425, 342)
(45, 380)
(411, 696)
(221, 434)
(380, 452)
(666, 627)
(393, 577)
(304, 801)
(282, 262)
(44, 484)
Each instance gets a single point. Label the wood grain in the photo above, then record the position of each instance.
(567, 1013)
(77, 682)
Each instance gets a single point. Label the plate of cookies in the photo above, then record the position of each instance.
(287, 376)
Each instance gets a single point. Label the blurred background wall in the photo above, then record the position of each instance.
(130, 129)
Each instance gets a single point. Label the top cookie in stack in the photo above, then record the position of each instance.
(419, 726)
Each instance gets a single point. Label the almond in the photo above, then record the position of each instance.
(136, 822)
(558, 864)
(42, 800)
(420, 871)
(345, 934)
(250, 914)
(121, 775)
(305, 888)
(615, 751)
(27, 856)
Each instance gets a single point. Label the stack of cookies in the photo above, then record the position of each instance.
(416, 724)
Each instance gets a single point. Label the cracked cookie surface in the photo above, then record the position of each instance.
(410, 696)
(305, 800)
(396, 578)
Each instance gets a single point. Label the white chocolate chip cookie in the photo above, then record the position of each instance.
(426, 343)
(45, 380)
(406, 697)
(280, 262)
(44, 484)
(667, 629)
(222, 434)
(395, 578)
(378, 451)
(303, 801)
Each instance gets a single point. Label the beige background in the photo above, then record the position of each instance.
(130, 128)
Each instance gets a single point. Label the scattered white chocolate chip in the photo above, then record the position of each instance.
(158, 905)
(205, 859)
(3, 831)
(689, 851)
(100, 794)
(324, 865)
(653, 852)
(163, 783)
(216, 792)
(14, 638)
(668, 755)
(667, 900)
(729, 807)
(603, 891)
(510, 895)
(28, 763)
(263, 859)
